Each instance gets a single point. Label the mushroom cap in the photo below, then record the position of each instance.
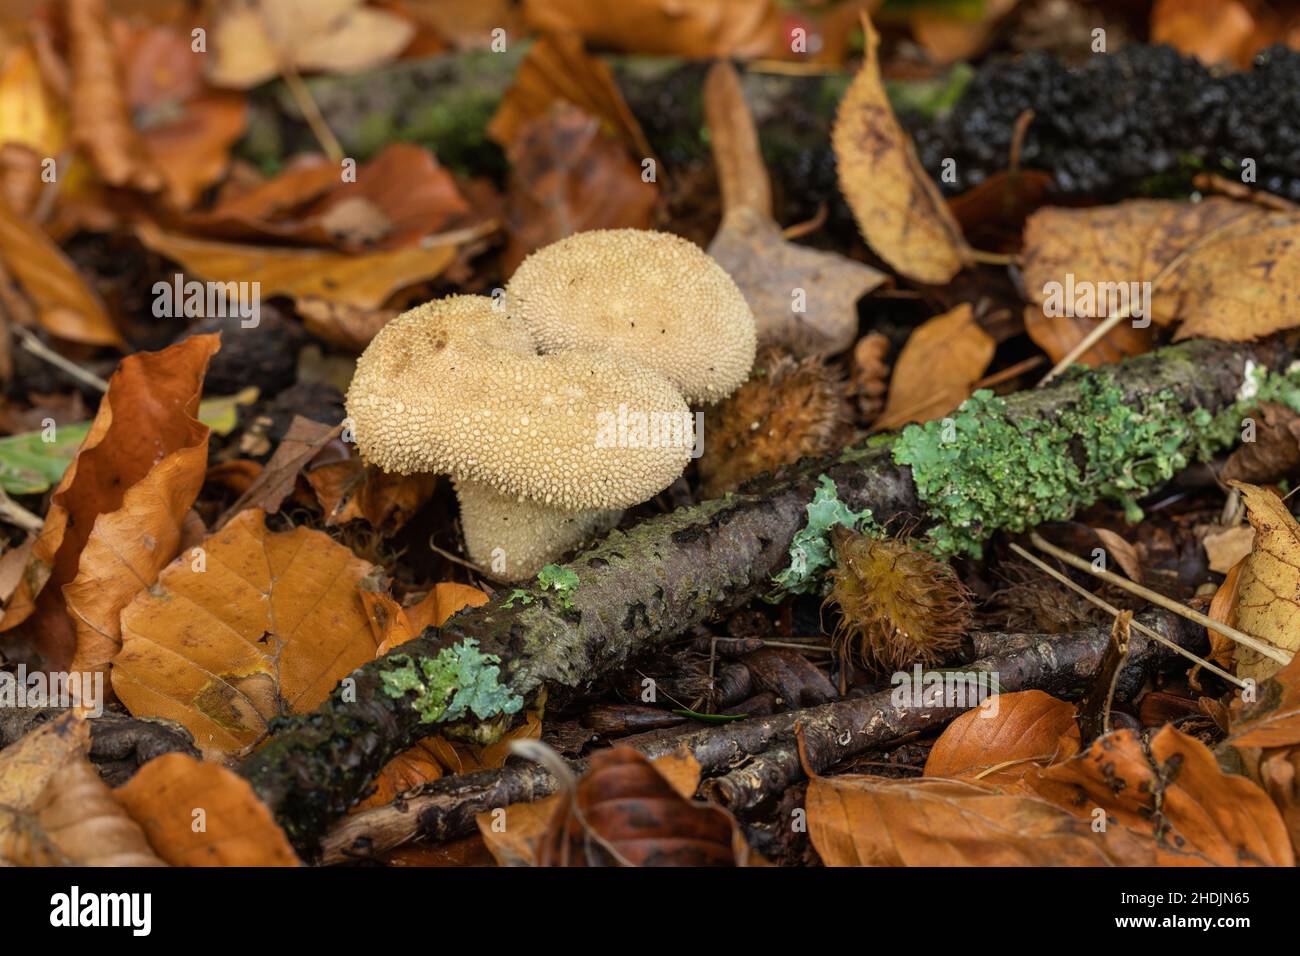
(453, 387)
(651, 296)
(529, 535)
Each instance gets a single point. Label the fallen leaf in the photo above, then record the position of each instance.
(1267, 594)
(698, 30)
(350, 491)
(30, 112)
(256, 625)
(101, 116)
(804, 299)
(1272, 719)
(143, 434)
(937, 369)
(557, 69)
(1226, 547)
(1222, 269)
(185, 128)
(1122, 553)
(253, 40)
(1057, 335)
(1030, 728)
(341, 324)
(1223, 608)
(952, 37)
(1213, 31)
(170, 794)
(1275, 452)
(79, 823)
(1174, 793)
(899, 210)
(870, 821)
(65, 304)
(364, 281)
(567, 176)
(301, 443)
(28, 766)
(1280, 776)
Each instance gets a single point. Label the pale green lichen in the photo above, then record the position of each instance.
(561, 581)
(460, 680)
(810, 549)
(979, 470)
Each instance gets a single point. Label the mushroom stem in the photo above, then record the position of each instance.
(514, 538)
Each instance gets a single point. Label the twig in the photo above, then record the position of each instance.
(311, 113)
(42, 351)
(16, 514)
(1113, 610)
(1169, 604)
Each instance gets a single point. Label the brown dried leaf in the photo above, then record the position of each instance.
(1268, 594)
(937, 369)
(253, 39)
(30, 112)
(348, 490)
(301, 443)
(115, 518)
(1275, 452)
(363, 281)
(79, 823)
(1057, 335)
(26, 769)
(1223, 269)
(65, 304)
(1213, 31)
(699, 29)
(260, 624)
(168, 797)
(101, 115)
(1273, 718)
(899, 210)
(1227, 547)
(804, 299)
(1122, 553)
(1030, 728)
(1175, 794)
(567, 176)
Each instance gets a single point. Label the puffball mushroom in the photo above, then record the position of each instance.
(649, 296)
(529, 535)
(455, 387)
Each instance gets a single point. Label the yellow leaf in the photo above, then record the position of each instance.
(29, 112)
(256, 625)
(937, 369)
(899, 210)
(1268, 592)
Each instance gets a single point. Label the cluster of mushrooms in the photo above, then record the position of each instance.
(508, 396)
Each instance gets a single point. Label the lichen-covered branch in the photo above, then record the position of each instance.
(641, 588)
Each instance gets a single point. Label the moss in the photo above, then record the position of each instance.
(563, 581)
(459, 680)
(811, 554)
(980, 470)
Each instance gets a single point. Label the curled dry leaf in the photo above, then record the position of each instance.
(363, 281)
(254, 39)
(567, 176)
(1122, 553)
(1057, 335)
(101, 115)
(1175, 794)
(301, 443)
(899, 210)
(1272, 719)
(1268, 593)
(1275, 452)
(1222, 269)
(870, 821)
(115, 518)
(1029, 729)
(79, 823)
(28, 766)
(65, 305)
(254, 625)
(557, 69)
(937, 369)
(699, 29)
(803, 299)
(168, 793)
(348, 490)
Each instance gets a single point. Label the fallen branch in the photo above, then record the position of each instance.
(641, 588)
(758, 758)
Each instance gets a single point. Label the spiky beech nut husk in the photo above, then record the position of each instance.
(652, 297)
(513, 538)
(453, 387)
(898, 604)
(789, 409)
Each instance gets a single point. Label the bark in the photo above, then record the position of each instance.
(642, 588)
(758, 758)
